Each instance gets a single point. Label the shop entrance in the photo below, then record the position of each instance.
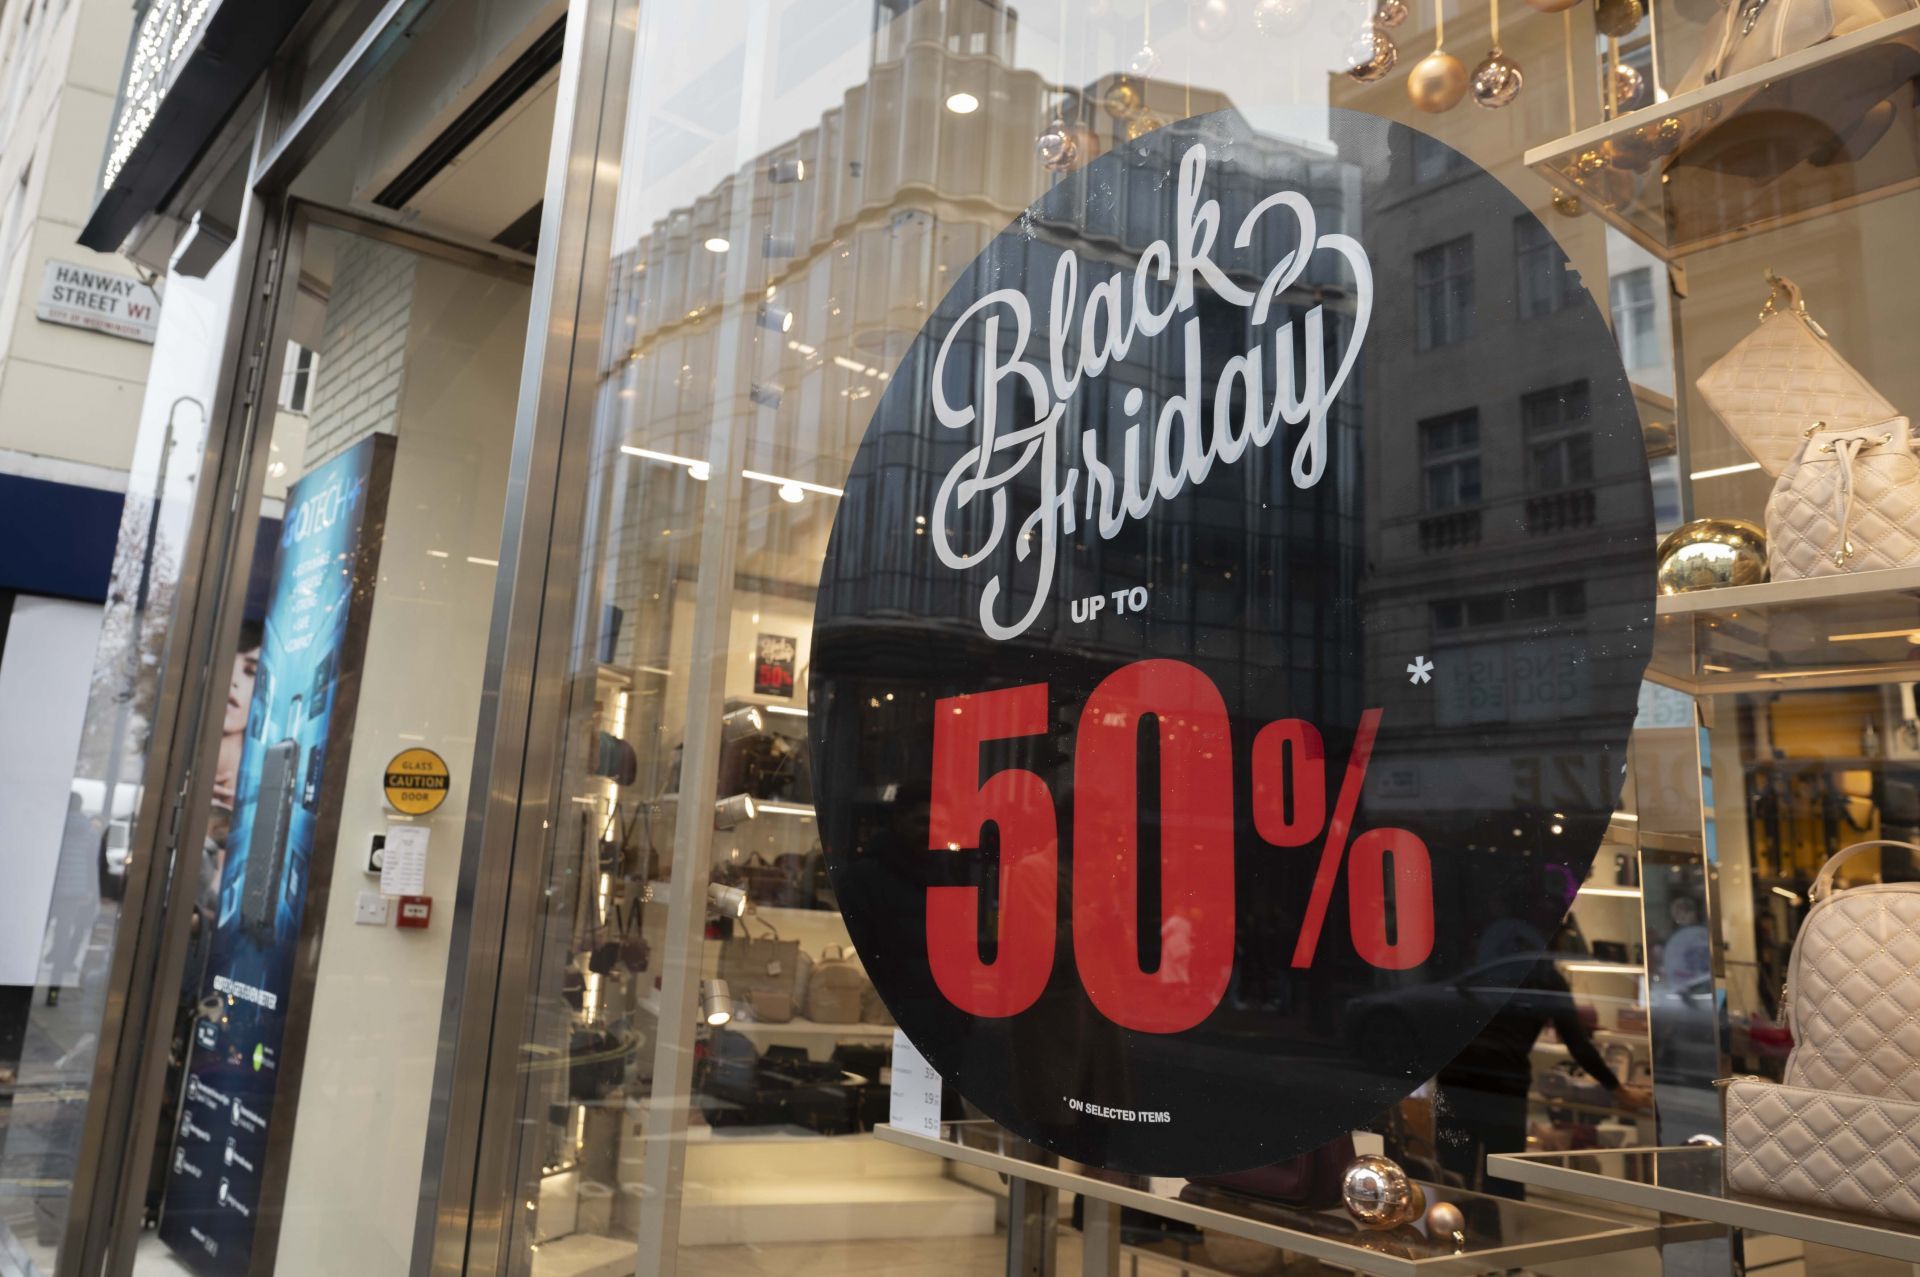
(300, 1078)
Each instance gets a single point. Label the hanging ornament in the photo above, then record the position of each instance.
(1278, 17)
(1566, 203)
(1145, 61)
(1390, 13)
(1496, 81)
(1439, 80)
(1211, 19)
(1628, 86)
(1617, 18)
(1142, 124)
(1123, 97)
(1057, 147)
(1371, 55)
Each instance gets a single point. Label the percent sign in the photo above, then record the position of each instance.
(1391, 934)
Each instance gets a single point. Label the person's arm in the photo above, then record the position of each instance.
(1579, 1043)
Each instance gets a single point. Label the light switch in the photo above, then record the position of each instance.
(370, 909)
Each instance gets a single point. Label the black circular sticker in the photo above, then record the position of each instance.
(1228, 641)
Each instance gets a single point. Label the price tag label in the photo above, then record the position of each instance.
(914, 1104)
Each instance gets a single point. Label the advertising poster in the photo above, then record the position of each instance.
(298, 732)
(1213, 721)
(774, 656)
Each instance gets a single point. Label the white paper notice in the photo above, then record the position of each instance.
(914, 1104)
(403, 865)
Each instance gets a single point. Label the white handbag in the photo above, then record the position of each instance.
(1843, 1130)
(1783, 377)
(1850, 502)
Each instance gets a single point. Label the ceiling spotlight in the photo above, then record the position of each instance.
(963, 104)
(700, 470)
(729, 812)
(775, 318)
(792, 493)
(716, 1002)
(787, 171)
(731, 902)
(717, 244)
(772, 245)
(742, 723)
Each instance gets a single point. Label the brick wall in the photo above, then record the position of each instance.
(364, 347)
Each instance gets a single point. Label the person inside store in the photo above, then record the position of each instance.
(1483, 1091)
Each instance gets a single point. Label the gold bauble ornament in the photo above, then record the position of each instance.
(1709, 554)
(1123, 97)
(1566, 203)
(1628, 87)
(1618, 18)
(1437, 82)
(1445, 1220)
(1371, 55)
(1142, 124)
(1496, 81)
(1390, 13)
(1379, 1194)
(1211, 19)
(1057, 147)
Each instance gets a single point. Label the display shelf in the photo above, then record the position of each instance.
(800, 1028)
(1648, 172)
(1688, 1182)
(1502, 1233)
(1833, 631)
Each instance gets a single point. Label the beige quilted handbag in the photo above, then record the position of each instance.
(1783, 377)
(1850, 502)
(1843, 1131)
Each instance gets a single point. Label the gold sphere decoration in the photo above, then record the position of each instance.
(1496, 81)
(1437, 82)
(1371, 55)
(1390, 13)
(1123, 97)
(1589, 163)
(1142, 124)
(1379, 1194)
(1629, 86)
(1618, 18)
(1566, 203)
(1057, 148)
(1708, 554)
(1445, 1220)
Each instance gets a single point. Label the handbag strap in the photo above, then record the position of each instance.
(1845, 452)
(1780, 285)
(1823, 885)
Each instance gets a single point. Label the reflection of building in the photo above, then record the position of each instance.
(1508, 543)
(76, 329)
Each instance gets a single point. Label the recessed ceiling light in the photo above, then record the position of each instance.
(718, 245)
(963, 104)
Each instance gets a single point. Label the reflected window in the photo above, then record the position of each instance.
(1450, 459)
(1542, 280)
(1631, 294)
(296, 383)
(1559, 440)
(1443, 293)
(1433, 160)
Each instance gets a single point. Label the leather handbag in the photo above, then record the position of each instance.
(1850, 502)
(1784, 376)
(1842, 1132)
(837, 989)
(1750, 33)
(764, 964)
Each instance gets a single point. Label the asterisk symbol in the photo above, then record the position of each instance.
(1422, 670)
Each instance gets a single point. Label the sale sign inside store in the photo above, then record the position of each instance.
(1228, 640)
